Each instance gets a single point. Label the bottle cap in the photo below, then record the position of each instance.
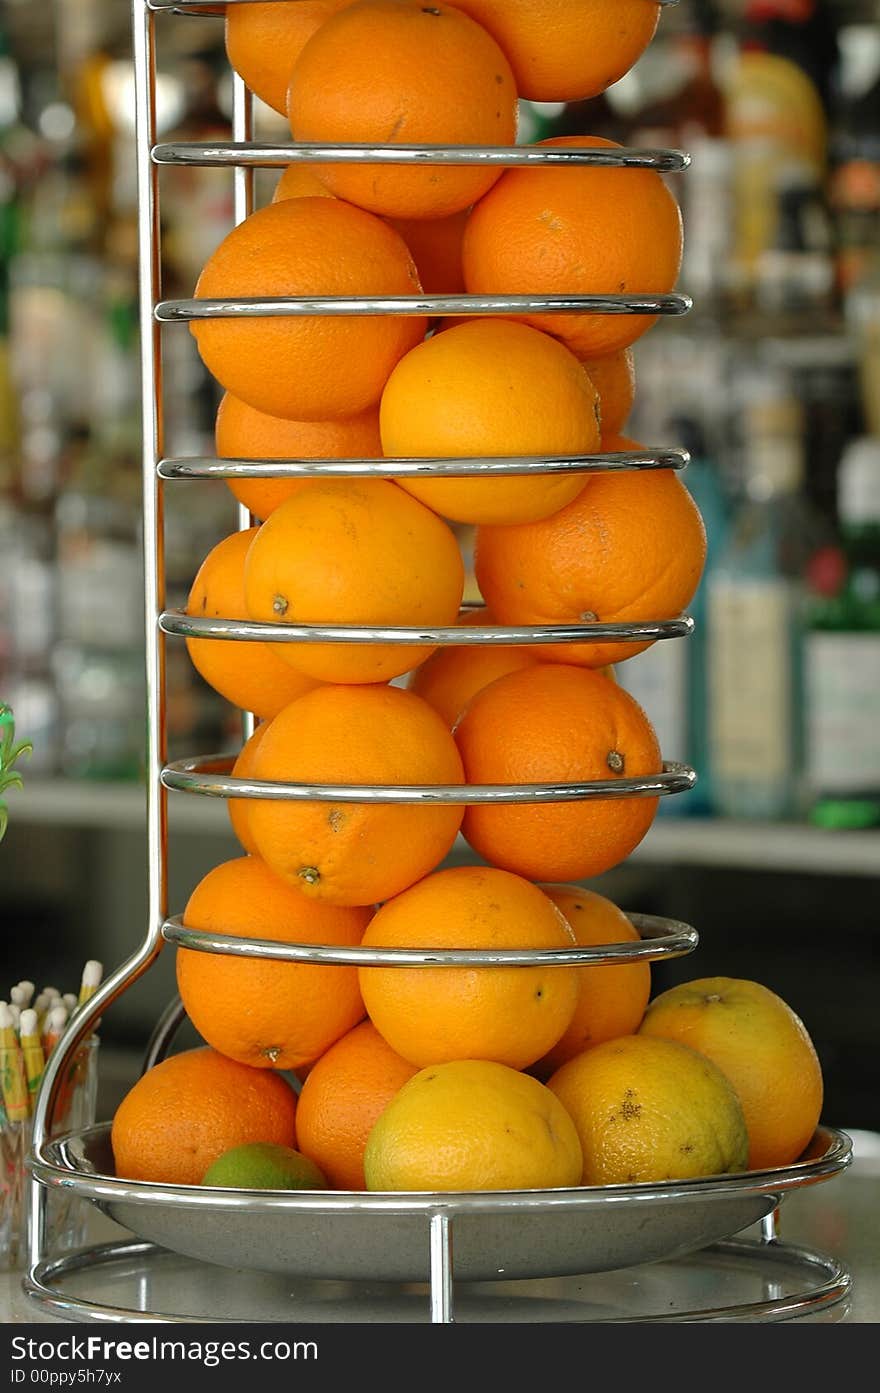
(858, 481)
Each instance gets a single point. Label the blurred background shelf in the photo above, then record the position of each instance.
(110, 806)
(760, 846)
(672, 841)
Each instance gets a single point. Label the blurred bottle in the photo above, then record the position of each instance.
(658, 679)
(9, 219)
(755, 616)
(863, 324)
(688, 113)
(776, 95)
(682, 99)
(669, 679)
(855, 199)
(794, 275)
(28, 593)
(708, 269)
(702, 478)
(98, 660)
(804, 32)
(197, 203)
(842, 657)
(855, 157)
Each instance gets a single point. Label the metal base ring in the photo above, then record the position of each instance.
(826, 1283)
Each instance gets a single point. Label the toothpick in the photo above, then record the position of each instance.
(91, 980)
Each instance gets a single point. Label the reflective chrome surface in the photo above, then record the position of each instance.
(252, 631)
(388, 468)
(131, 1281)
(260, 155)
(384, 1236)
(285, 306)
(660, 938)
(205, 774)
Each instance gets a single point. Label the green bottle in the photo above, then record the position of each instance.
(842, 657)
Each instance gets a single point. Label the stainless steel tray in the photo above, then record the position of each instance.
(391, 1237)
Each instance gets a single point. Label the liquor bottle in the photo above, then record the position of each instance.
(803, 32)
(855, 158)
(755, 616)
(776, 100)
(669, 679)
(794, 275)
(842, 654)
(702, 479)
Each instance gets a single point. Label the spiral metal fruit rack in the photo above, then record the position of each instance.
(383, 1237)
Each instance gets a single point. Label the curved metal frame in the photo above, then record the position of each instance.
(776, 1181)
(831, 1285)
(243, 155)
(390, 468)
(59, 1167)
(260, 155)
(182, 625)
(659, 938)
(415, 306)
(203, 774)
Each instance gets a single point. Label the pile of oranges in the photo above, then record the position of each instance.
(443, 1078)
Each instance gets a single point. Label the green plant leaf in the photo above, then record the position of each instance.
(9, 753)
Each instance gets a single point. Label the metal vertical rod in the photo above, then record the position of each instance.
(149, 288)
(441, 1269)
(85, 1020)
(770, 1227)
(242, 130)
(243, 206)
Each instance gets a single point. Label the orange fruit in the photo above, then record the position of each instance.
(487, 388)
(651, 1110)
(300, 181)
(611, 999)
(435, 245)
(388, 72)
(355, 853)
(614, 378)
(352, 552)
(307, 367)
(567, 50)
(243, 768)
(264, 41)
(451, 676)
(761, 1046)
(473, 1125)
(242, 432)
(512, 1015)
(184, 1113)
(345, 1093)
(250, 675)
(630, 548)
(555, 724)
(579, 230)
(272, 1015)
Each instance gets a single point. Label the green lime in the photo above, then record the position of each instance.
(264, 1166)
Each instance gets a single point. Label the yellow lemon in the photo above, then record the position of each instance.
(649, 1110)
(762, 1046)
(472, 1125)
